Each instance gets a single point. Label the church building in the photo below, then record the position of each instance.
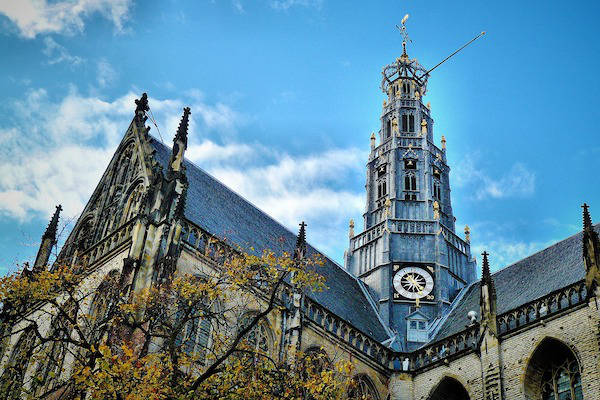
(406, 307)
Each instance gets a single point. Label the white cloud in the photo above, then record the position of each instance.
(57, 53)
(68, 143)
(238, 6)
(106, 74)
(34, 17)
(518, 181)
(284, 5)
(294, 189)
(504, 252)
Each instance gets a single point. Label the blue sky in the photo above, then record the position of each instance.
(284, 95)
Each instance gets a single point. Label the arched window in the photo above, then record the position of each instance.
(133, 203)
(194, 337)
(104, 299)
(260, 338)
(53, 352)
(12, 379)
(449, 389)
(362, 388)
(553, 373)
(437, 192)
(411, 123)
(381, 188)
(410, 181)
(404, 123)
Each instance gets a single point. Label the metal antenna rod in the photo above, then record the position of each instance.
(446, 59)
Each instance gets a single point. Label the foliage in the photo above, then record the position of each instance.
(201, 335)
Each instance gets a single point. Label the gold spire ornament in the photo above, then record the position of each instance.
(428, 105)
(351, 228)
(388, 206)
(372, 140)
(467, 234)
(423, 127)
(436, 210)
(443, 142)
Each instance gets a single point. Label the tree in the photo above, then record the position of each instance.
(201, 335)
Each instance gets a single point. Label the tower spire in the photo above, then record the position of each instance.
(300, 250)
(48, 241)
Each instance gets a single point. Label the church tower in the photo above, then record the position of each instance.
(409, 253)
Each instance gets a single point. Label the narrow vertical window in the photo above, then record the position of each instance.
(404, 123)
(411, 123)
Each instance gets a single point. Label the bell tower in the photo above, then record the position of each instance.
(408, 252)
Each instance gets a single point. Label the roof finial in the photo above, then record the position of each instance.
(48, 241)
(351, 228)
(53, 225)
(180, 143)
(142, 104)
(587, 219)
(300, 250)
(182, 130)
(486, 276)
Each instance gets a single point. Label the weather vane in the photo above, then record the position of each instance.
(403, 32)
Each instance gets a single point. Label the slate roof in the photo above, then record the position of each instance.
(222, 212)
(526, 280)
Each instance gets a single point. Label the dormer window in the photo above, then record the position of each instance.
(416, 327)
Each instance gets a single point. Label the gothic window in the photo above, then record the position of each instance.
(133, 203)
(102, 304)
(553, 373)
(388, 128)
(259, 339)
(11, 381)
(404, 123)
(410, 163)
(381, 170)
(410, 182)
(194, 336)
(362, 388)
(50, 366)
(84, 236)
(437, 192)
(411, 123)
(436, 172)
(381, 188)
(405, 88)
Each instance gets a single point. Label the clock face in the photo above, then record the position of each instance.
(413, 282)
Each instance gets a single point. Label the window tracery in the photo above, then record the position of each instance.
(362, 388)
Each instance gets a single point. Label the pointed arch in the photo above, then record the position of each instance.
(449, 388)
(362, 388)
(553, 372)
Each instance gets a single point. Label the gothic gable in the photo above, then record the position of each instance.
(119, 195)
